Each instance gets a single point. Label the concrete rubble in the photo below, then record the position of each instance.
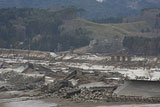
(16, 81)
(81, 78)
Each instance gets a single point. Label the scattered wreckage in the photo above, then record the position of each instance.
(86, 78)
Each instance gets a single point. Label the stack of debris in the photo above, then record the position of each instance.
(36, 69)
(80, 91)
(19, 81)
(92, 94)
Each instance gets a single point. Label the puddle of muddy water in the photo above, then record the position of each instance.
(30, 103)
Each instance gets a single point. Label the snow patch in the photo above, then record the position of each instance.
(100, 1)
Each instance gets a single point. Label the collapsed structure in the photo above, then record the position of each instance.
(85, 77)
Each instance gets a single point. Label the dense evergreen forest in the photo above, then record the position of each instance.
(142, 45)
(40, 29)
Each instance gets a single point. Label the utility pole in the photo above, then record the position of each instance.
(29, 46)
(28, 52)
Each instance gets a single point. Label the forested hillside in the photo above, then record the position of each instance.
(150, 15)
(61, 29)
(39, 29)
(142, 45)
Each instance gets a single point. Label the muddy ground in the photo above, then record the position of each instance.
(55, 102)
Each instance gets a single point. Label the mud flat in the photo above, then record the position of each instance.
(47, 102)
(55, 102)
(52, 102)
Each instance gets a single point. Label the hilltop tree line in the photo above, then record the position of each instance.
(40, 29)
(109, 20)
(142, 45)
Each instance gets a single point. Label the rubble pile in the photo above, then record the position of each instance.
(65, 89)
(92, 95)
(100, 95)
(5, 88)
(58, 85)
(82, 78)
(93, 92)
(36, 69)
(84, 94)
(19, 81)
(77, 75)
